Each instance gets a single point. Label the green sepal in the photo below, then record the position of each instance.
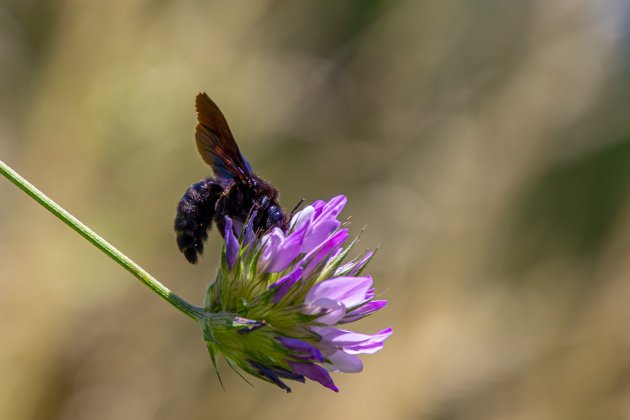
(360, 270)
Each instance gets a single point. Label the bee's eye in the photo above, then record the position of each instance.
(275, 215)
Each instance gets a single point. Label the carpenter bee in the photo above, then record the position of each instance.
(234, 191)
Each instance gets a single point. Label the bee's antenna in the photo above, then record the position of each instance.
(297, 206)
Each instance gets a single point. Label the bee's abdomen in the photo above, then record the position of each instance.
(194, 217)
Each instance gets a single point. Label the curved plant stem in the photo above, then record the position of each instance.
(192, 311)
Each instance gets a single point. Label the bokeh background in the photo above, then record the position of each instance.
(486, 144)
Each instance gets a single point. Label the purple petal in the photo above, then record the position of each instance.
(318, 206)
(343, 362)
(334, 206)
(367, 256)
(231, 244)
(285, 283)
(357, 264)
(279, 252)
(287, 251)
(324, 222)
(237, 228)
(364, 310)
(351, 342)
(333, 310)
(315, 373)
(302, 218)
(302, 348)
(316, 256)
(343, 337)
(248, 234)
(272, 374)
(350, 291)
(271, 241)
(318, 232)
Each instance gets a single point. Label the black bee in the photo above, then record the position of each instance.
(235, 191)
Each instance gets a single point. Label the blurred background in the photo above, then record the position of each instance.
(485, 144)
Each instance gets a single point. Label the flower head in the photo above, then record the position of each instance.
(277, 302)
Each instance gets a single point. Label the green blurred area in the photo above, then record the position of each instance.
(485, 144)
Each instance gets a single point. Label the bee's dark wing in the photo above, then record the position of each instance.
(216, 143)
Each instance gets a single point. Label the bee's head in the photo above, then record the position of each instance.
(275, 217)
(271, 215)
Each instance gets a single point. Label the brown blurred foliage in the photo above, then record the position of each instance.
(485, 144)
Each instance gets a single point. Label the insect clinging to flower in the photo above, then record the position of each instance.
(283, 295)
(234, 191)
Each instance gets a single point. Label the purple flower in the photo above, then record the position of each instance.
(320, 219)
(276, 315)
(309, 351)
(285, 283)
(248, 232)
(341, 347)
(231, 244)
(323, 250)
(315, 373)
(333, 297)
(279, 250)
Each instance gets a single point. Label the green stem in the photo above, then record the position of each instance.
(192, 311)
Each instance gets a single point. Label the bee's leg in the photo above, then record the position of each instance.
(261, 207)
(194, 217)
